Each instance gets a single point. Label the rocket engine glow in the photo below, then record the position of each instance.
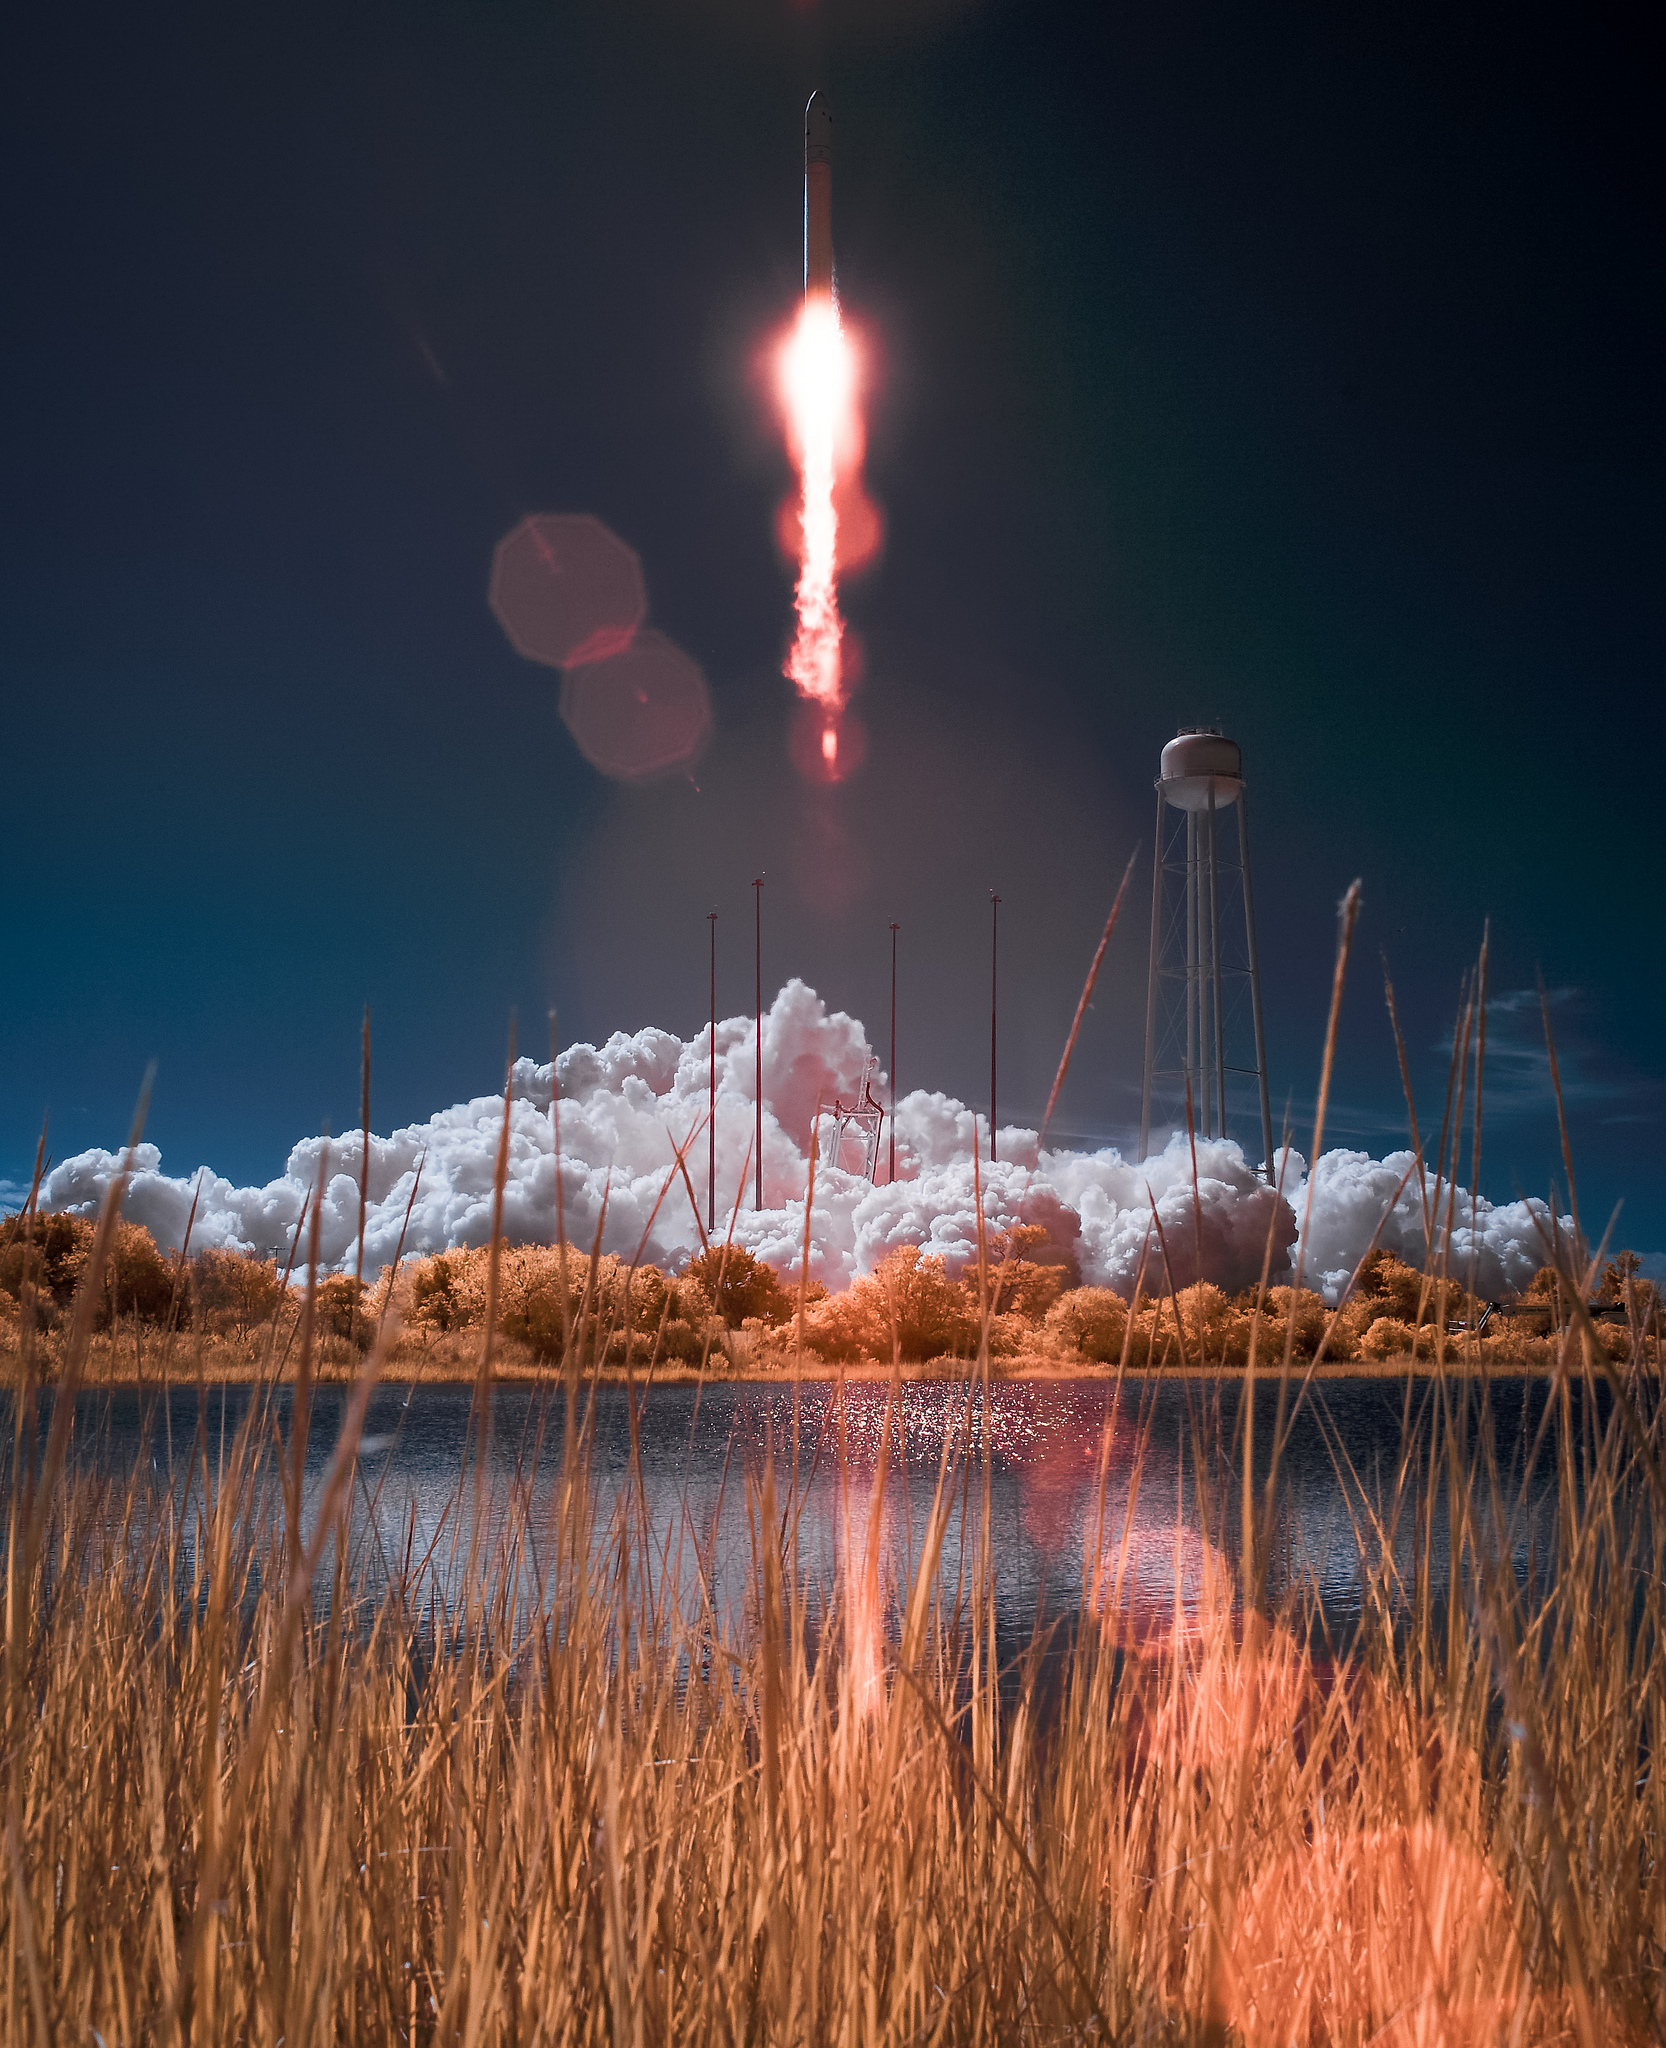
(817, 383)
(818, 387)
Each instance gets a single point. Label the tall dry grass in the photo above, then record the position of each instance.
(250, 1796)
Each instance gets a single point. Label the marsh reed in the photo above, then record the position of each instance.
(252, 1795)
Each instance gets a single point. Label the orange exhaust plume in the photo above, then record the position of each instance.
(818, 386)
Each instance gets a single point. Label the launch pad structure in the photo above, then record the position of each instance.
(863, 1118)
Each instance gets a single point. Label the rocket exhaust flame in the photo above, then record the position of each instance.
(818, 388)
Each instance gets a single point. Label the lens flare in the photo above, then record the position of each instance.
(818, 386)
(826, 748)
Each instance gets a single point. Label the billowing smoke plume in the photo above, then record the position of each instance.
(621, 1106)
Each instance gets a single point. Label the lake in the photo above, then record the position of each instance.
(1082, 1490)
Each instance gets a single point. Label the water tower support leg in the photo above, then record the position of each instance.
(1215, 971)
(1204, 1087)
(1255, 986)
(1151, 984)
(1193, 1004)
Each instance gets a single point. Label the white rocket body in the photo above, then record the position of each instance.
(818, 200)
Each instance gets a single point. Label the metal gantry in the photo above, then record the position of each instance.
(865, 1118)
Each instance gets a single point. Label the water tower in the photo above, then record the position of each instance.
(1202, 942)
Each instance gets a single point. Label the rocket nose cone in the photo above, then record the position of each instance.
(818, 132)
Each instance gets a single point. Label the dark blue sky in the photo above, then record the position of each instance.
(1274, 366)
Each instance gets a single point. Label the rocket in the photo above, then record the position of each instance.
(818, 201)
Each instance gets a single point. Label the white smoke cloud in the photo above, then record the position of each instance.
(1505, 1243)
(622, 1104)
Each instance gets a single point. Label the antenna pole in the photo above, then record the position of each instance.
(364, 1179)
(758, 965)
(891, 1170)
(1151, 983)
(1267, 1167)
(555, 1132)
(994, 985)
(711, 1113)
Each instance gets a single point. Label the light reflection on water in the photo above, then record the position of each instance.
(1088, 1500)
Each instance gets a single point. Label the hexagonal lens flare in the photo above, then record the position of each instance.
(567, 590)
(640, 712)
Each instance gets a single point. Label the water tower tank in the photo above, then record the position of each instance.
(1191, 761)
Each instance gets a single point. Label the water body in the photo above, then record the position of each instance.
(1086, 1499)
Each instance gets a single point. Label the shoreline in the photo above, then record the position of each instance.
(867, 1372)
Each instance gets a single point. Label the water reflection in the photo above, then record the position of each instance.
(1089, 1502)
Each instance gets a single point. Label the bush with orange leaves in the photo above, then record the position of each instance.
(740, 1286)
(47, 1253)
(49, 1257)
(1025, 1270)
(1389, 1337)
(1091, 1322)
(1199, 1328)
(545, 1291)
(908, 1301)
(234, 1291)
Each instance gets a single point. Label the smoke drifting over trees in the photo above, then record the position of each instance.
(622, 1106)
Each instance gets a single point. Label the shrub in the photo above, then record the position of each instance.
(930, 1315)
(334, 1306)
(655, 1315)
(1151, 1341)
(1615, 1339)
(1389, 1337)
(908, 1298)
(235, 1290)
(739, 1285)
(1214, 1327)
(1408, 1296)
(53, 1260)
(138, 1280)
(1021, 1284)
(629, 1314)
(1395, 1288)
(1344, 1339)
(536, 1319)
(434, 1294)
(1309, 1313)
(849, 1326)
(768, 1347)
(1011, 1335)
(1092, 1321)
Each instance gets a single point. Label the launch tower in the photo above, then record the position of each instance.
(864, 1118)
